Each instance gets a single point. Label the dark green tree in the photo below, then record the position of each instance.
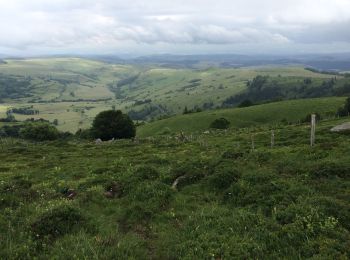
(113, 124)
(185, 110)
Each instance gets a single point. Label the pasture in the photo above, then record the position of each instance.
(77, 199)
(271, 113)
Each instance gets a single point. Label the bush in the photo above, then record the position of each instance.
(10, 131)
(84, 134)
(57, 223)
(221, 123)
(39, 132)
(146, 173)
(246, 103)
(223, 179)
(146, 200)
(113, 124)
(344, 111)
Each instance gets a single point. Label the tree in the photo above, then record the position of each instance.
(185, 110)
(221, 123)
(113, 124)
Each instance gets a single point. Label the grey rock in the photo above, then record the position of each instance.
(341, 128)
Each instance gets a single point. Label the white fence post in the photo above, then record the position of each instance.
(313, 129)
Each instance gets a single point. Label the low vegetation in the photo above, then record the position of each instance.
(118, 200)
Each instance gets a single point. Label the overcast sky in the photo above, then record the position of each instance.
(32, 27)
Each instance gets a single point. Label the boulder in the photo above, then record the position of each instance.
(98, 141)
(341, 128)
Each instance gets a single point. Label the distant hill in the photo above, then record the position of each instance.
(74, 90)
(288, 111)
(336, 62)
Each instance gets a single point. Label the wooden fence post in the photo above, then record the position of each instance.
(313, 129)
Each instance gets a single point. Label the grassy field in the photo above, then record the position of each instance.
(3, 110)
(55, 85)
(290, 111)
(71, 116)
(75, 199)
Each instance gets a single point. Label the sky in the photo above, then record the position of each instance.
(135, 27)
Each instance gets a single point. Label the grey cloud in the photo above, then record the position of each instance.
(108, 24)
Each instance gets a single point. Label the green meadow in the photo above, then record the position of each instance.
(212, 197)
(179, 190)
(291, 111)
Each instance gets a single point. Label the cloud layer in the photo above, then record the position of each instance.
(86, 26)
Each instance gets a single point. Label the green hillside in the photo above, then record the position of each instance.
(73, 199)
(289, 111)
(74, 90)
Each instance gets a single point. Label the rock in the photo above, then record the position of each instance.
(111, 141)
(341, 128)
(71, 194)
(114, 189)
(98, 141)
(109, 194)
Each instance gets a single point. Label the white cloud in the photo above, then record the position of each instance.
(107, 25)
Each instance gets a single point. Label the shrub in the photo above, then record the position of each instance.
(221, 123)
(232, 154)
(84, 134)
(10, 130)
(246, 103)
(113, 124)
(190, 173)
(146, 173)
(58, 222)
(147, 199)
(39, 132)
(344, 111)
(223, 179)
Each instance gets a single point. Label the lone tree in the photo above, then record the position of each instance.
(113, 124)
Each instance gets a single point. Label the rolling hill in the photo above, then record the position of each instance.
(271, 113)
(74, 90)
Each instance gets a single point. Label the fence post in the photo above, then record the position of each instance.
(313, 129)
(253, 144)
(272, 138)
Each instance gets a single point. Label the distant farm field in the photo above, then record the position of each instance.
(74, 90)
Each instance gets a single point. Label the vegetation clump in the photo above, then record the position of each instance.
(344, 111)
(113, 124)
(39, 132)
(221, 123)
(58, 222)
